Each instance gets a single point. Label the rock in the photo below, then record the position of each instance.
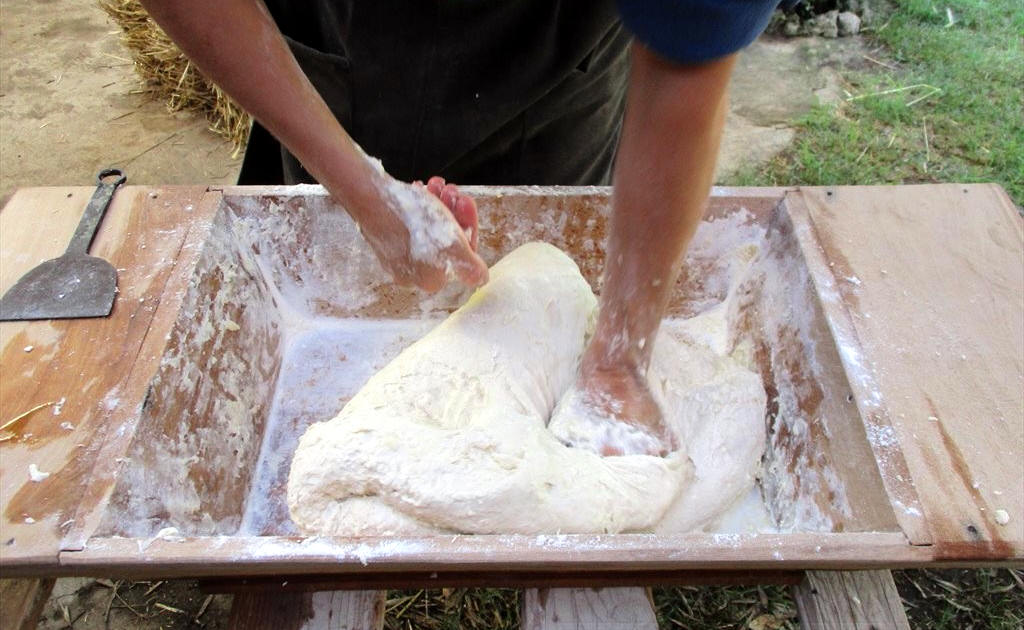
(867, 16)
(826, 24)
(791, 28)
(848, 24)
(852, 5)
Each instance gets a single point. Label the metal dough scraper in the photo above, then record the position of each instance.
(74, 284)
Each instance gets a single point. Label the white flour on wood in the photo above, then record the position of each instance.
(451, 436)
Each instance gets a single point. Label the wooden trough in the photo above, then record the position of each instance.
(887, 324)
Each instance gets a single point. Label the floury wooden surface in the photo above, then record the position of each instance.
(924, 288)
(93, 371)
(123, 399)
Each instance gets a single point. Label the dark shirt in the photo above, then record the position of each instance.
(487, 91)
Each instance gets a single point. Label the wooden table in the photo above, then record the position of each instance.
(921, 297)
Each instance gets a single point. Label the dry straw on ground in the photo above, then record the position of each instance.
(170, 77)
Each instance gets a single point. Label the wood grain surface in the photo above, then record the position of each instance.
(587, 609)
(850, 600)
(22, 601)
(83, 367)
(325, 610)
(924, 287)
(495, 558)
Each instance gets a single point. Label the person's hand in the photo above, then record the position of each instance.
(425, 233)
(611, 411)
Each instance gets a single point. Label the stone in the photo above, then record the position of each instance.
(848, 24)
(826, 24)
(867, 16)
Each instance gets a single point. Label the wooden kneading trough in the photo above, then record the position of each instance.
(887, 325)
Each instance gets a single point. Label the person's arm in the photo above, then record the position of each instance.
(663, 173)
(237, 45)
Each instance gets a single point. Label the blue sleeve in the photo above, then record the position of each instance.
(692, 31)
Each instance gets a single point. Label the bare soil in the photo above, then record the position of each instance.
(70, 105)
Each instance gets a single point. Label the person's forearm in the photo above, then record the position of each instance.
(237, 45)
(663, 173)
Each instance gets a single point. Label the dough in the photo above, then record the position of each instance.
(450, 436)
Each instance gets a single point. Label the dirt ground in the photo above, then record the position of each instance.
(70, 105)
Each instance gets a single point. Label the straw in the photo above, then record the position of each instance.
(168, 76)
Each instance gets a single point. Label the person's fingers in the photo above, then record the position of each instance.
(466, 215)
(435, 185)
(463, 208)
(450, 196)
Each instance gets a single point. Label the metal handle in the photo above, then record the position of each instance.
(94, 212)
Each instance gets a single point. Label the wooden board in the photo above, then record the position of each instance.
(924, 289)
(157, 239)
(22, 601)
(495, 560)
(850, 600)
(325, 610)
(587, 608)
(88, 368)
(507, 579)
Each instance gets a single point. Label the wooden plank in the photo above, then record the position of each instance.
(193, 214)
(888, 457)
(80, 365)
(494, 555)
(326, 610)
(771, 194)
(505, 579)
(587, 609)
(22, 602)
(846, 600)
(924, 287)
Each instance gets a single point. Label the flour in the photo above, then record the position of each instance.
(431, 226)
(432, 229)
(451, 436)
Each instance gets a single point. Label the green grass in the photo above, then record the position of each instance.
(952, 599)
(963, 122)
(766, 607)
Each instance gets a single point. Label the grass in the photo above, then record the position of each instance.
(452, 609)
(696, 607)
(720, 608)
(952, 599)
(946, 106)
